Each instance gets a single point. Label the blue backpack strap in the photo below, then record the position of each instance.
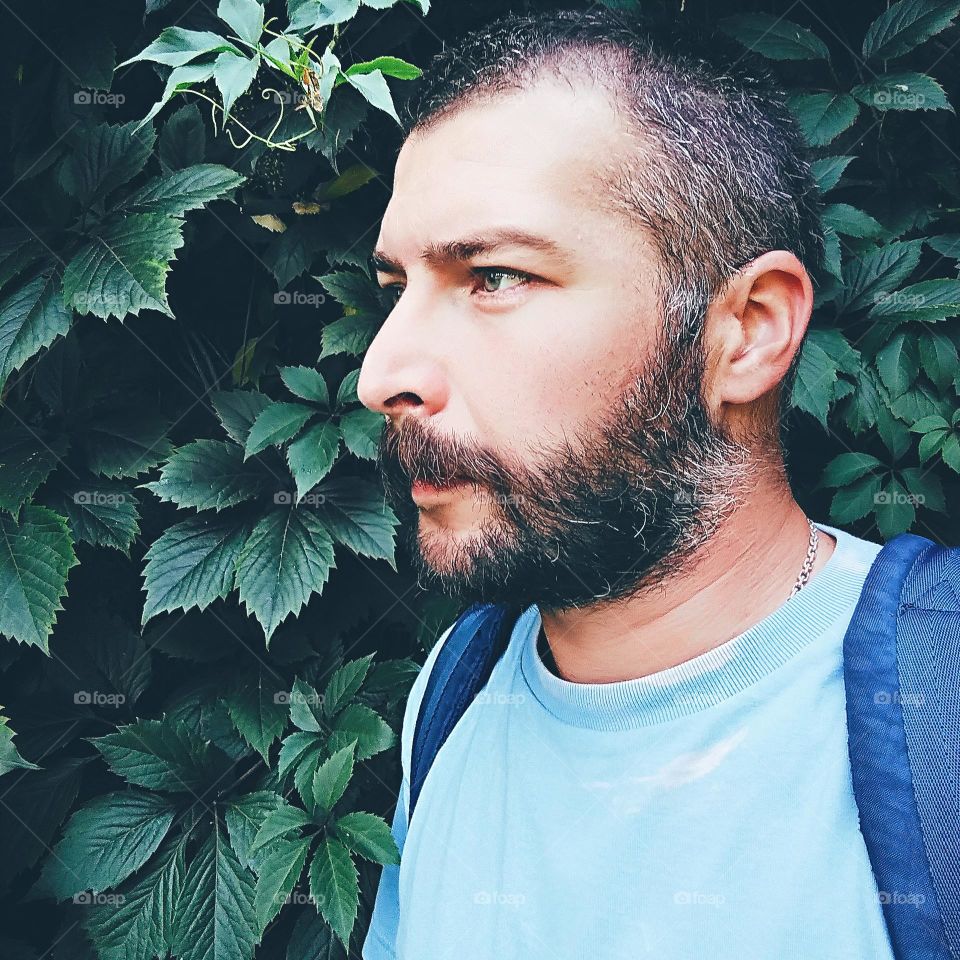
(900, 659)
(464, 664)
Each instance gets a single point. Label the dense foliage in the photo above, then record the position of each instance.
(208, 638)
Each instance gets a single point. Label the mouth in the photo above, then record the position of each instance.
(427, 492)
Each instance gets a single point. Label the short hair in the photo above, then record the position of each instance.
(725, 176)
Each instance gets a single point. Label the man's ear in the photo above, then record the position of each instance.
(755, 327)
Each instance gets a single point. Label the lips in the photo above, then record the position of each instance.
(425, 491)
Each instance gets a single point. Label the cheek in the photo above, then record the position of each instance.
(553, 373)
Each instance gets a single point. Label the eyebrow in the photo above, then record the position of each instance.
(456, 251)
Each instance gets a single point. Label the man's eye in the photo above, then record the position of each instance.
(495, 276)
(392, 292)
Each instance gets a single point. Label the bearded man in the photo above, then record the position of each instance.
(600, 245)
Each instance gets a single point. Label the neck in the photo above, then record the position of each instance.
(744, 573)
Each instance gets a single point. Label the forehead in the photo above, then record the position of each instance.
(530, 157)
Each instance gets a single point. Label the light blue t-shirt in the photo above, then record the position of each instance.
(704, 812)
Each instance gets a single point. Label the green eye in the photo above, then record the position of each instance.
(496, 275)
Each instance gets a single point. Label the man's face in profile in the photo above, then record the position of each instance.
(561, 439)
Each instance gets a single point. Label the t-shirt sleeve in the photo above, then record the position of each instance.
(381, 940)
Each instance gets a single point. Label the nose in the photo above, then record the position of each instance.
(401, 374)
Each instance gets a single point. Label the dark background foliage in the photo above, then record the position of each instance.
(206, 632)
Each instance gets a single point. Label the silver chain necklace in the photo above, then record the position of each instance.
(807, 567)
(544, 647)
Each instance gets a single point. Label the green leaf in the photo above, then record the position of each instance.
(305, 704)
(356, 514)
(898, 364)
(950, 452)
(331, 778)
(31, 318)
(876, 272)
(103, 157)
(175, 193)
(925, 487)
(276, 424)
(361, 430)
(310, 15)
(312, 939)
(123, 269)
(285, 560)
(162, 755)
(352, 289)
(126, 443)
(851, 222)
(344, 684)
(334, 887)
(307, 383)
(827, 171)
(825, 353)
(896, 510)
(359, 723)
(102, 513)
(927, 300)
(215, 919)
(245, 816)
(279, 873)
(10, 759)
(35, 555)
(176, 46)
(847, 467)
(775, 37)
(278, 823)
(192, 564)
(312, 456)
(947, 245)
(207, 474)
(105, 842)
(26, 460)
(388, 66)
(139, 926)
(927, 424)
(905, 25)
(370, 836)
(183, 139)
(233, 76)
(295, 749)
(855, 501)
(180, 78)
(374, 88)
(903, 91)
(258, 710)
(931, 444)
(244, 17)
(938, 354)
(237, 410)
(350, 334)
(823, 116)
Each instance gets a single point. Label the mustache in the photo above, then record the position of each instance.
(409, 452)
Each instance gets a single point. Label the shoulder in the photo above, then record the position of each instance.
(415, 698)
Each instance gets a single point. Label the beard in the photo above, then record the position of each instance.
(591, 522)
